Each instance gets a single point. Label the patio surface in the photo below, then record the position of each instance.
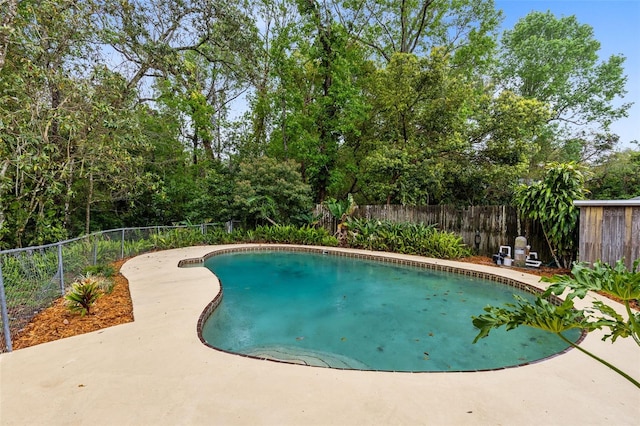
(156, 371)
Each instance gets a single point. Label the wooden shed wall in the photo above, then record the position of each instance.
(609, 233)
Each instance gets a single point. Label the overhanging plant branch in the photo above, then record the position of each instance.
(544, 315)
(600, 360)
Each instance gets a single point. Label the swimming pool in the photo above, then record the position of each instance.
(341, 312)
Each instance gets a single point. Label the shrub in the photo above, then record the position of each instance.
(288, 234)
(270, 190)
(406, 238)
(84, 293)
(106, 271)
(179, 237)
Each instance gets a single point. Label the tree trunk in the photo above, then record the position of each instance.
(412, 32)
(87, 216)
(329, 110)
(208, 148)
(3, 173)
(194, 142)
(67, 196)
(284, 128)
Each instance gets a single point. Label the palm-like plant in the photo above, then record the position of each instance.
(550, 202)
(83, 295)
(341, 211)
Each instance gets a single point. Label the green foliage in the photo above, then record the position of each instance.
(341, 210)
(615, 281)
(268, 188)
(420, 111)
(104, 270)
(616, 177)
(306, 219)
(84, 293)
(555, 60)
(550, 202)
(417, 27)
(542, 314)
(28, 279)
(135, 247)
(288, 234)
(178, 237)
(406, 238)
(221, 236)
(77, 147)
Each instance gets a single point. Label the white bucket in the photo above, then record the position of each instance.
(507, 261)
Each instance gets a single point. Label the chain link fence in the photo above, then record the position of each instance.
(32, 278)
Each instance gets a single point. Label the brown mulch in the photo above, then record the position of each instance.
(57, 322)
(541, 271)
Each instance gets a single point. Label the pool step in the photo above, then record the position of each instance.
(295, 355)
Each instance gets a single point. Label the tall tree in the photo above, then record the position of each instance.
(48, 54)
(277, 37)
(465, 29)
(315, 97)
(555, 60)
(616, 176)
(150, 36)
(69, 137)
(502, 131)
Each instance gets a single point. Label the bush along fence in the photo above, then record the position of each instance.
(482, 228)
(32, 278)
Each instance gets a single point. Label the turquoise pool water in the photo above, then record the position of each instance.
(343, 312)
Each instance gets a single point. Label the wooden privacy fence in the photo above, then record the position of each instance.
(496, 225)
(609, 230)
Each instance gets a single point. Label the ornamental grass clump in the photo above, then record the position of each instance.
(84, 293)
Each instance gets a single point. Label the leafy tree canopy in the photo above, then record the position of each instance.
(117, 113)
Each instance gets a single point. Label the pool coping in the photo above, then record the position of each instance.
(422, 262)
(156, 371)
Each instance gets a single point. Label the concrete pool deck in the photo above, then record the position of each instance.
(156, 371)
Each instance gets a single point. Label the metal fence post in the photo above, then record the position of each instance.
(122, 245)
(5, 314)
(60, 269)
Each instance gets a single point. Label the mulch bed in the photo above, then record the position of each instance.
(57, 322)
(541, 271)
